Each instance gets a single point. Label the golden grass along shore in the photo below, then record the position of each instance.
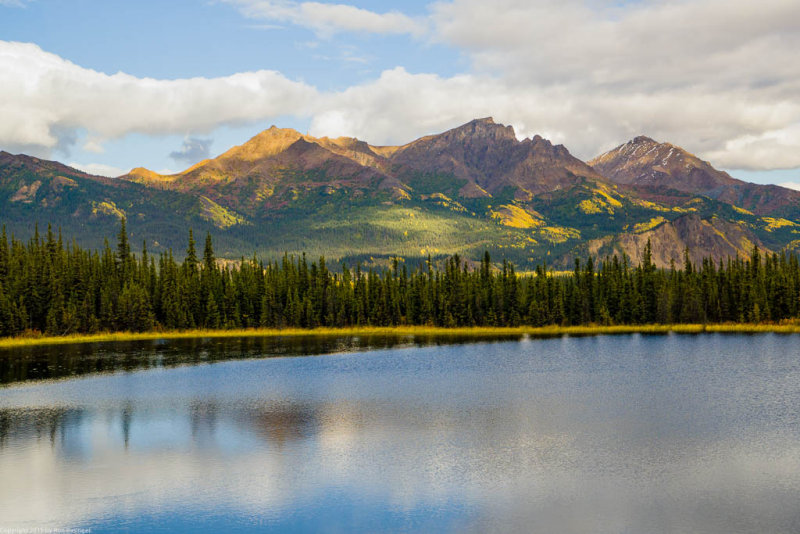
(34, 340)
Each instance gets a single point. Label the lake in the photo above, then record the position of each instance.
(617, 434)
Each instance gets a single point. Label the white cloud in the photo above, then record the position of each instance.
(327, 19)
(98, 169)
(645, 46)
(776, 149)
(700, 73)
(93, 146)
(43, 94)
(790, 185)
(12, 3)
(399, 106)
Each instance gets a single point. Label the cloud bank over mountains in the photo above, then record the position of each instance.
(720, 78)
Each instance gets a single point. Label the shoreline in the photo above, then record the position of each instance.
(543, 331)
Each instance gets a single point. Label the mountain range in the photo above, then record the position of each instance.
(476, 187)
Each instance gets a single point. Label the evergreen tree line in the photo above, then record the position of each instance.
(49, 287)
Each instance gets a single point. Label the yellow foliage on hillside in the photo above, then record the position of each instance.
(601, 202)
(775, 223)
(559, 234)
(593, 206)
(218, 215)
(608, 198)
(107, 207)
(516, 217)
(648, 225)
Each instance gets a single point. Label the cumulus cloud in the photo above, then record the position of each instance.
(328, 19)
(776, 149)
(45, 99)
(194, 149)
(643, 46)
(93, 146)
(400, 106)
(710, 74)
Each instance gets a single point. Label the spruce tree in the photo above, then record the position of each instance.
(209, 261)
(123, 247)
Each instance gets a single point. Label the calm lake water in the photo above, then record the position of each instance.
(617, 434)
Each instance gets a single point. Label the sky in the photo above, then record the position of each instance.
(108, 85)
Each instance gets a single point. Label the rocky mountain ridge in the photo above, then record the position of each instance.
(665, 172)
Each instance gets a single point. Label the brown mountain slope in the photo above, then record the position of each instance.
(269, 170)
(712, 237)
(356, 150)
(489, 157)
(481, 158)
(38, 183)
(272, 149)
(668, 173)
(17, 165)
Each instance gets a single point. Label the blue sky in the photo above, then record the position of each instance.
(109, 85)
(189, 38)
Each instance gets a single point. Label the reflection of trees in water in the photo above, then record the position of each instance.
(59, 361)
(276, 424)
(203, 416)
(125, 417)
(37, 424)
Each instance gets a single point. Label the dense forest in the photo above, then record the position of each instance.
(51, 287)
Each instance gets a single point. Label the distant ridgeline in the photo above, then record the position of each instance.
(49, 287)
